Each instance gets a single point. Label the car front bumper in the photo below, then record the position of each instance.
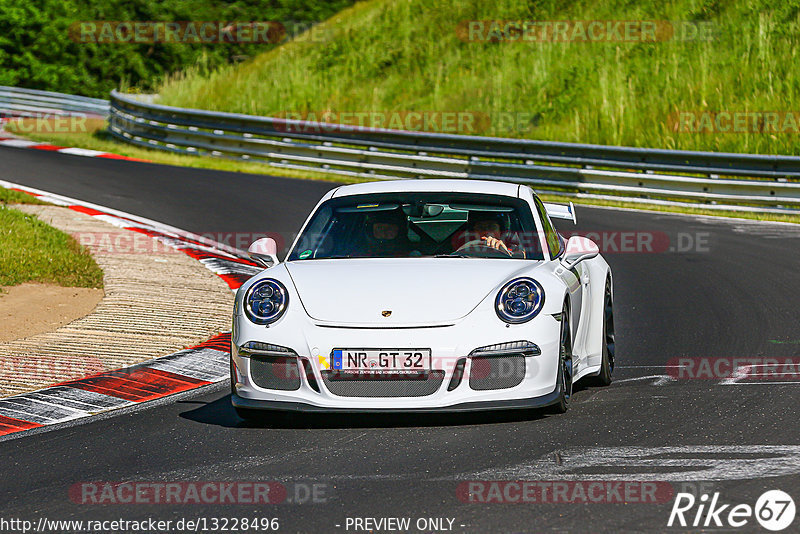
(466, 407)
(313, 344)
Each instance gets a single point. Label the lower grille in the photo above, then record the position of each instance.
(275, 372)
(497, 372)
(343, 386)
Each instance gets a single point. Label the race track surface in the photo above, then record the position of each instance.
(731, 291)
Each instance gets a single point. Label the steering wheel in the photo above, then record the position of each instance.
(480, 247)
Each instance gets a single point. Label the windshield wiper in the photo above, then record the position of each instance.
(453, 255)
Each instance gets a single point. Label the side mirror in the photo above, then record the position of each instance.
(579, 248)
(264, 252)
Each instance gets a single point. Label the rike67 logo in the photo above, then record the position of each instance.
(774, 510)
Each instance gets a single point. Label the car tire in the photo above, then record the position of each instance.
(248, 414)
(233, 379)
(564, 376)
(603, 378)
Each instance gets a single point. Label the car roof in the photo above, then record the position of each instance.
(433, 185)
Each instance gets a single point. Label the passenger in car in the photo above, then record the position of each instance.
(386, 234)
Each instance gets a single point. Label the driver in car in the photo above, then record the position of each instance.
(489, 228)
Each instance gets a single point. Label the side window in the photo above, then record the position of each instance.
(551, 236)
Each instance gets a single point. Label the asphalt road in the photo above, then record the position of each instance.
(730, 293)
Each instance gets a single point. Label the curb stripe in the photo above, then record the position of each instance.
(9, 425)
(201, 365)
(138, 385)
(38, 411)
(87, 211)
(207, 365)
(221, 342)
(73, 151)
(19, 143)
(78, 398)
(46, 147)
(108, 155)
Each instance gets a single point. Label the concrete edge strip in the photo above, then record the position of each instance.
(182, 371)
(192, 368)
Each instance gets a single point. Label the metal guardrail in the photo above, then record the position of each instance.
(744, 182)
(18, 102)
(715, 180)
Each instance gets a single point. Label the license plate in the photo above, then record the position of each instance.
(382, 360)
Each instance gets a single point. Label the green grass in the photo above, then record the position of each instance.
(400, 55)
(9, 196)
(32, 251)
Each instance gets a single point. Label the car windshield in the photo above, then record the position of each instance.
(408, 225)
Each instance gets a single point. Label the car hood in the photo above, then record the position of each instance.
(417, 291)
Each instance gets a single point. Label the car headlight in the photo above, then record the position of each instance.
(265, 301)
(519, 300)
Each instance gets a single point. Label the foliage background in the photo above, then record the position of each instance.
(37, 52)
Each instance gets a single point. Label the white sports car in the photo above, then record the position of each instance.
(423, 295)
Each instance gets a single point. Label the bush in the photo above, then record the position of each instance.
(37, 52)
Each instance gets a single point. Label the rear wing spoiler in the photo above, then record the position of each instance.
(560, 211)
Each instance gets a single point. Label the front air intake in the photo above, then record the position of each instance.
(310, 378)
(275, 372)
(496, 372)
(458, 374)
